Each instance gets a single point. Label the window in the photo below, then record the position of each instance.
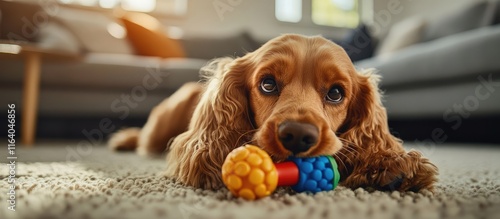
(288, 10)
(338, 13)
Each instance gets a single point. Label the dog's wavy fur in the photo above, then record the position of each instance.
(207, 121)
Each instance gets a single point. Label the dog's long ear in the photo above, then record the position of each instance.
(366, 124)
(226, 97)
(220, 121)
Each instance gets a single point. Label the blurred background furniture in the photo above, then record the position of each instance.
(430, 64)
(78, 93)
(32, 57)
(443, 75)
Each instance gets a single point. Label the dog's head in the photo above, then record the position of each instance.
(295, 95)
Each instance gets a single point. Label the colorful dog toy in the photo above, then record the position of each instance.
(249, 172)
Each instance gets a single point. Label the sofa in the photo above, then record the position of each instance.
(442, 76)
(76, 94)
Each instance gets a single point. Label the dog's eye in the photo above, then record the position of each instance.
(268, 85)
(335, 95)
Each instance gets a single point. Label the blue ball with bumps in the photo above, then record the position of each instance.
(316, 174)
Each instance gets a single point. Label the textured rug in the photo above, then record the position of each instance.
(76, 181)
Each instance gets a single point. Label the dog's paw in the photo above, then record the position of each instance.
(406, 172)
(390, 172)
(124, 140)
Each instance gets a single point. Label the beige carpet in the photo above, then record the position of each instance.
(61, 181)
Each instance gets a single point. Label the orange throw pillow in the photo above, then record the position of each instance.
(148, 37)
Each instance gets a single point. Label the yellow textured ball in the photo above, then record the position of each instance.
(248, 172)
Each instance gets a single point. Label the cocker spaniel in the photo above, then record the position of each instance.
(295, 95)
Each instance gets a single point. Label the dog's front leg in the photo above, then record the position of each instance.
(391, 170)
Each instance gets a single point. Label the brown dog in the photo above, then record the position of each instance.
(295, 95)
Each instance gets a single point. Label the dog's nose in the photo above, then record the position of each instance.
(297, 136)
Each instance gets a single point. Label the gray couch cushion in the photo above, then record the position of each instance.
(402, 34)
(210, 48)
(461, 55)
(433, 102)
(475, 16)
(125, 71)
